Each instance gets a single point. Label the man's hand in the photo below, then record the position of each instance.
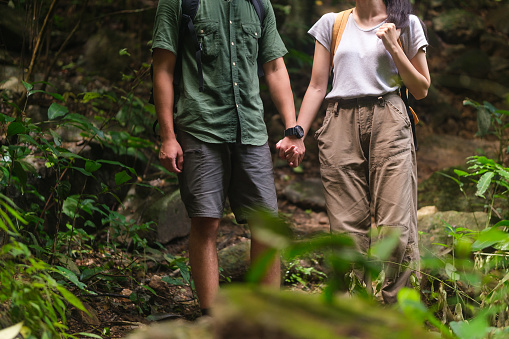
(171, 156)
(292, 150)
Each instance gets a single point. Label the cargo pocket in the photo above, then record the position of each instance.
(399, 112)
(326, 120)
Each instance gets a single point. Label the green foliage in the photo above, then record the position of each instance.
(28, 285)
(469, 288)
(304, 272)
(491, 120)
(43, 259)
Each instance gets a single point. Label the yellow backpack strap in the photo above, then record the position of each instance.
(337, 32)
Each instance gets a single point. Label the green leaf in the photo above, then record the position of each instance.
(70, 205)
(92, 166)
(124, 51)
(477, 328)
(122, 177)
(410, 303)
(489, 237)
(16, 128)
(450, 270)
(484, 183)
(90, 96)
(503, 173)
(20, 173)
(149, 289)
(56, 137)
(56, 111)
(502, 223)
(298, 170)
(90, 335)
(69, 275)
(383, 248)
(173, 281)
(11, 332)
(72, 299)
(184, 271)
(83, 171)
(54, 95)
(28, 86)
(5, 118)
(461, 173)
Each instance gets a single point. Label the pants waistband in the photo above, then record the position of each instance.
(363, 101)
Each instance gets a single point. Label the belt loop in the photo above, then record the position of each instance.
(336, 108)
(381, 101)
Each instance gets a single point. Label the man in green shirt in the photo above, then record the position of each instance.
(216, 139)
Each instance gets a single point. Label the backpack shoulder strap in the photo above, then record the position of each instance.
(190, 7)
(260, 10)
(189, 10)
(337, 32)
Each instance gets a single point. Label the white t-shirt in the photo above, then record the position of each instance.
(362, 65)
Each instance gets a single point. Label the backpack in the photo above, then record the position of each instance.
(187, 30)
(337, 33)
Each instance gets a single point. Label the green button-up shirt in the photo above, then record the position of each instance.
(232, 39)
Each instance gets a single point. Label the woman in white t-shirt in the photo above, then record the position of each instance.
(366, 147)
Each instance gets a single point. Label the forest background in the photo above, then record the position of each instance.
(93, 233)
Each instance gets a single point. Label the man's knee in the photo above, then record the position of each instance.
(204, 227)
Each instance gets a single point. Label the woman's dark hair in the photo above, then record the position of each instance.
(398, 12)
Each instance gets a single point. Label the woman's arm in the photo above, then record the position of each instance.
(415, 72)
(317, 88)
(310, 104)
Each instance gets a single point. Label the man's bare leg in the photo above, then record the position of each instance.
(203, 259)
(273, 275)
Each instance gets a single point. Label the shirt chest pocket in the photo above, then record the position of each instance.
(207, 34)
(251, 33)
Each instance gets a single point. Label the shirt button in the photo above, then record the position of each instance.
(233, 63)
(230, 22)
(256, 33)
(232, 43)
(237, 105)
(201, 31)
(235, 84)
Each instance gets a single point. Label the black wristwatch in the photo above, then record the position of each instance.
(296, 131)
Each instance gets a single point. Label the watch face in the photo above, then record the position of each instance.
(299, 132)
(296, 131)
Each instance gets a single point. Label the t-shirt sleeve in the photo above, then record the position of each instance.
(413, 38)
(322, 29)
(166, 25)
(271, 44)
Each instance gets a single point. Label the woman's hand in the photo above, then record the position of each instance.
(292, 150)
(389, 36)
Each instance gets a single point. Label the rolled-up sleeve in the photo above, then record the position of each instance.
(166, 25)
(271, 44)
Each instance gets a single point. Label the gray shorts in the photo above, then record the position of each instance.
(213, 172)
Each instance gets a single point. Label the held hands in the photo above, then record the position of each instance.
(292, 150)
(171, 156)
(389, 36)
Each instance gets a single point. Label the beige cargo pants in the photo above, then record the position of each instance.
(367, 163)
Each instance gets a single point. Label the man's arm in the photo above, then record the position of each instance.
(170, 153)
(280, 90)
